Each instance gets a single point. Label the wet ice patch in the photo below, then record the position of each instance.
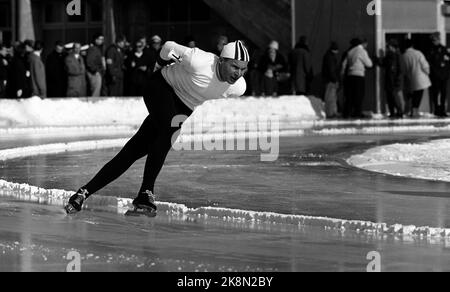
(409, 153)
(68, 131)
(429, 160)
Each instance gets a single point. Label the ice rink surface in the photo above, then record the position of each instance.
(310, 178)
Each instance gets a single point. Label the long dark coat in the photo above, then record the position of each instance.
(76, 70)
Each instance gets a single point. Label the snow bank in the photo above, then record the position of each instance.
(429, 160)
(36, 112)
(27, 193)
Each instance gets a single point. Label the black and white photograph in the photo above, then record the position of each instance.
(224, 143)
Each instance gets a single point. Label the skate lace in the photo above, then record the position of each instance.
(151, 196)
(82, 195)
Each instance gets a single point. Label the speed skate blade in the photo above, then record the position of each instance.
(141, 213)
(70, 210)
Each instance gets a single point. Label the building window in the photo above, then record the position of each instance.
(184, 11)
(54, 12)
(5, 23)
(95, 11)
(57, 25)
(5, 12)
(79, 18)
(199, 11)
(179, 10)
(159, 11)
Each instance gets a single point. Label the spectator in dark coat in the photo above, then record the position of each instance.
(330, 75)
(439, 60)
(19, 77)
(301, 67)
(254, 74)
(3, 70)
(153, 51)
(221, 41)
(393, 79)
(37, 71)
(56, 73)
(115, 67)
(95, 65)
(189, 41)
(271, 65)
(76, 71)
(138, 65)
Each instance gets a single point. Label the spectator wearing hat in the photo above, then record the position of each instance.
(3, 70)
(55, 72)
(301, 67)
(156, 43)
(221, 41)
(76, 71)
(29, 47)
(37, 71)
(153, 52)
(83, 52)
(115, 67)
(137, 66)
(439, 60)
(330, 75)
(95, 65)
(272, 63)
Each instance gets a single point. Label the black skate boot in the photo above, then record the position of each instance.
(144, 205)
(76, 202)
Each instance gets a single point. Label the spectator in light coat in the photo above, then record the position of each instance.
(76, 71)
(416, 70)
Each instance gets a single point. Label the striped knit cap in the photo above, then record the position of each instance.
(236, 51)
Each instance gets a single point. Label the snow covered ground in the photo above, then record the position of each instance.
(429, 160)
(294, 115)
(36, 112)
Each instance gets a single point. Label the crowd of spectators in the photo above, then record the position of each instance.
(122, 69)
(76, 70)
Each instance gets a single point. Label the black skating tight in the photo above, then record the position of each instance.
(154, 138)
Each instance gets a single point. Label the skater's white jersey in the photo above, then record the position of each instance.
(194, 75)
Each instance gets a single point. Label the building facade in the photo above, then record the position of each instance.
(48, 20)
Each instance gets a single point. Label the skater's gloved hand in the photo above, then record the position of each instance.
(162, 63)
(173, 56)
